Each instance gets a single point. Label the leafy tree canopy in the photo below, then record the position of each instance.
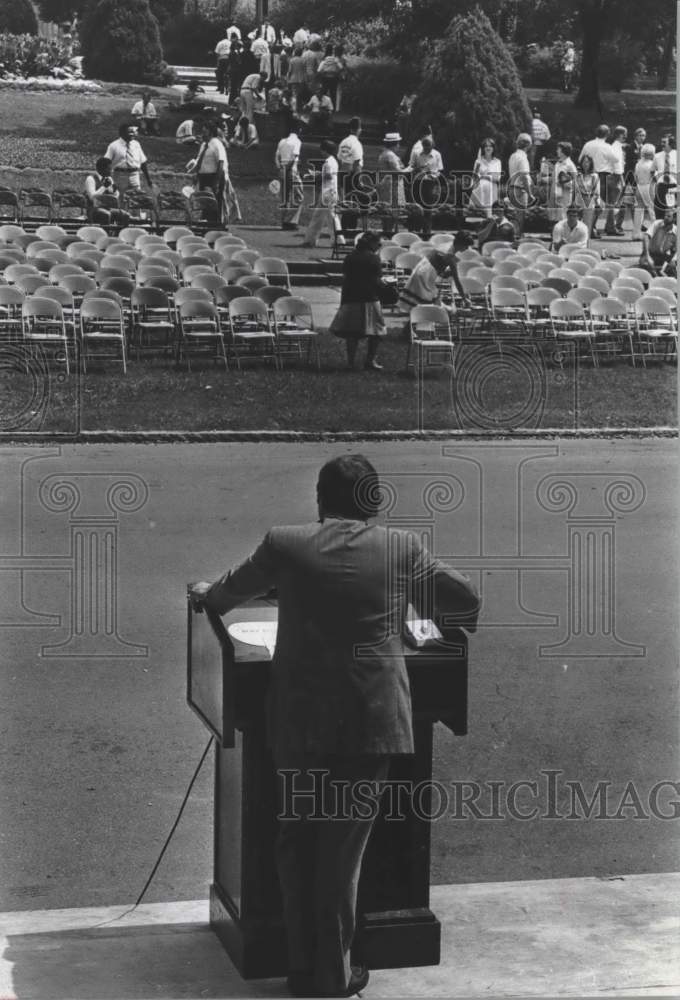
(120, 41)
(17, 17)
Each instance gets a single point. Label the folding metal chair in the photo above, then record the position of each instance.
(430, 338)
(273, 269)
(151, 317)
(251, 335)
(43, 327)
(200, 328)
(294, 326)
(101, 323)
(570, 325)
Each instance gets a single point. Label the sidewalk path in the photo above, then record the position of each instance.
(559, 937)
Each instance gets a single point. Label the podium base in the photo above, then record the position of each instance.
(394, 939)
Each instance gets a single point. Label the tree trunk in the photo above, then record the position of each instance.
(667, 57)
(593, 15)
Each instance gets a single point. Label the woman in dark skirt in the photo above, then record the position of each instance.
(360, 314)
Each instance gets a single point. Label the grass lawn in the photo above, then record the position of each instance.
(490, 392)
(53, 140)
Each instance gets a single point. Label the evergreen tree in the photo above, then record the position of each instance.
(18, 17)
(470, 90)
(120, 41)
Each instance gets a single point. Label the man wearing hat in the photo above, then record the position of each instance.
(390, 180)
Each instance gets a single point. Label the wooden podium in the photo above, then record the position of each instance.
(228, 668)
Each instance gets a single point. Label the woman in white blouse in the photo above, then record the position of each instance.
(564, 181)
(487, 173)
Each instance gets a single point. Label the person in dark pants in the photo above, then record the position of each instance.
(360, 314)
(339, 699)
(666, 164)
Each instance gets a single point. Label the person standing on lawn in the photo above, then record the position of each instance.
(210, 165)
(222, 50)
(604, 163)
(350, 157)
(128, 160)
(287, 159)
(540, 136)
(360, 314)
(428, 168)
(645, 172)
(324, 211)
(520, 187)
(666, 163)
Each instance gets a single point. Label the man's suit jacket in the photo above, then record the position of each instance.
(339, 682)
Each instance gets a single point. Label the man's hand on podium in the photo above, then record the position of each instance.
(196, 593)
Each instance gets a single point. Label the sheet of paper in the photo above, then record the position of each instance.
(255, 634)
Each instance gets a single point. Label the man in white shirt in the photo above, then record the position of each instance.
(320, 109)
(570, 231)
(428, 168)
(520, 187)
(222, 50)
(417, 147)
(660, 246)
(540, 134)
(287, 158)
(233, 30)
(185, 135)
(127, 160)
(301, 36)
(210, 165)
(604, 164)
(145, 115)
(614, 220)
(326, 198)
(350, 156)
(666, 166)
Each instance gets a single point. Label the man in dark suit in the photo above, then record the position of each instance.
(339, 700)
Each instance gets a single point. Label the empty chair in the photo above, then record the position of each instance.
(602, 271)
(104, 273)
(545, 267)
(190, 240)
(43, 264)
(273, 269)
(134, 256)
(599, 284)
(213, 257)
(570, 325)
(121, 285)
(530, 276)
(35, 203)
(444, 240)
(36, 245)
(508, 281)
(190, 272)
(636, 272)
(508, 310)
(538, 309)
(171, 206)
(151, 320)
(664, 282)
(78, 250)
(9, 205)
(475, 292)
(101, 326)
(581, 267)
(251, 335)
(656, 329)
(210, 282)
(251, 282)
(232, 272)
(173, 233)
(226, 294)
(200, 330)
(90, 234)
(628, 282)
(611, 325)
(213, 235)
(560, 285)
(110, 243)
(42, 325)
(294, 328)
(10, 232)
(499, 254)
(186, 294)
(155, 270)
(483, 274)
(430, 338)
(130, 234)
(53, 256)
(118, 261)
(166, 282)
(388, 255)
(550, 258)
(29, 283)
(227, 253)
(147, 241)
(11, 301)
(565, 274)
(77, 284)
(491, 245)
(507, 267)
(170, 257)
(11, 255)
(245, 257)
(192, 260)
(405, 239)
(51, 232)
(269, 294)
(583, 295)
(227, 240)
(667, 294)
(404, 265)
(15, 271)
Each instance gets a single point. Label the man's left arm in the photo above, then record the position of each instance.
(255, 576)
(455, 597)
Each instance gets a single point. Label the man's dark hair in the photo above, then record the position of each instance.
(102, 165)
(349, 486)
(354, 124)
(123, 127)
(328, 146)
(463, 239)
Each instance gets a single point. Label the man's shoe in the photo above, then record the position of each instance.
(619, 232)
(357, 981)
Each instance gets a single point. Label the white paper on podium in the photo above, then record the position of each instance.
(255, 634)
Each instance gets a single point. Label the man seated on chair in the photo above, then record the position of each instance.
(571, 231)
(660, 246)
(499, 227)
(144, 114)
(98, 184)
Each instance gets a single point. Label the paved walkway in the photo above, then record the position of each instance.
(558, 937)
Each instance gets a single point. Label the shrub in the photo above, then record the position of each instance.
(189, 39)
(120, 41)
(367, 38)
(621, 62)
(540, 67)
(470, 89)
(18, 17)
(28, 55)
(376, 86)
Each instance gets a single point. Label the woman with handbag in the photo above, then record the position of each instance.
(360, 314)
